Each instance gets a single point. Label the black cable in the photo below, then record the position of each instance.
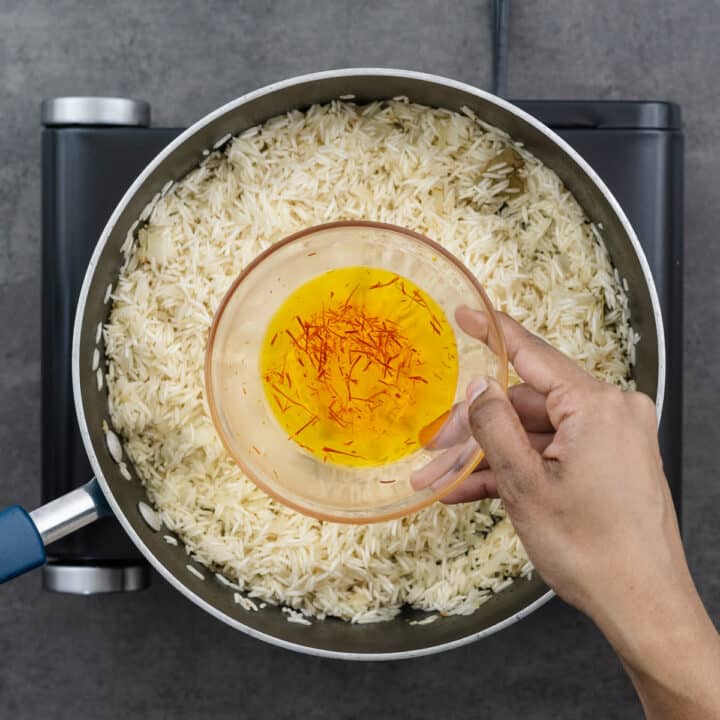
(501, 20)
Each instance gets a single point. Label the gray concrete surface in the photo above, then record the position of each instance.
(156, 656)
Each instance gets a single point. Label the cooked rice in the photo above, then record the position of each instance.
(194, 571)
(431, 170)
(425, 621)
(152, 518)
(295, 617)
(113, 444)
(245, 602)
(227, 583)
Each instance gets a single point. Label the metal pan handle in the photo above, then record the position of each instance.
(23, 535)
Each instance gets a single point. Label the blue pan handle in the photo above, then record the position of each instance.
(21, 546)
(23, 535)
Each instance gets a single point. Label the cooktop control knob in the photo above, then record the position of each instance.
(94, 579)
(111, 111)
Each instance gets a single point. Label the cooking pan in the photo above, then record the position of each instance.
(23, 536)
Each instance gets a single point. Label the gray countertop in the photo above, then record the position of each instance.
(153, 654)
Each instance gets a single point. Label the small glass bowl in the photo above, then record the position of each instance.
(245, 421)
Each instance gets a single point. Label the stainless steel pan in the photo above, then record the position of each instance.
(22, 536)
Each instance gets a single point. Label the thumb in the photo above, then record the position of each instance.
(499, 432)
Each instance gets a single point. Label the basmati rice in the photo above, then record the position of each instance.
(295, 617)
(194, 571)
(244, 602)
(425, 621)
(124, 471)
(519, 230)
(227, 583)
(298, 619)
(113, 444)
(149, 515)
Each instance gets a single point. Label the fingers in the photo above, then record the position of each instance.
(437, 468)
(530, 406)
(478, 486)
(444, 469)
(453, 428)
(483, 483)
(538, 363)
(498, 430)
(538, 441)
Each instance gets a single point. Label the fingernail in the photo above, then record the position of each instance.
(476, 389)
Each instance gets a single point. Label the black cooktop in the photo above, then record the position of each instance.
(636, 147)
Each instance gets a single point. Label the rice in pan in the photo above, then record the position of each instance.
(444, 174)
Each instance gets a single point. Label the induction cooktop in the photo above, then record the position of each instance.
(92, 151)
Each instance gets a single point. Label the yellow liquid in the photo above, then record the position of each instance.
(356, 362)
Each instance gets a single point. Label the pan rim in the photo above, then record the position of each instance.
(174, 580)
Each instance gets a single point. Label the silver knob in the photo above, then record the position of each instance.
(95, 111)
(95, 579)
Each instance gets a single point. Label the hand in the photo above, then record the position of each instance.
(577, 464)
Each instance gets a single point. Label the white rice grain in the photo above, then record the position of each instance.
(194, 571)
(227, 583)
(298, 619)
(295, 617)
(113, 444)
(151, 518)
(425, 621)
(222, 141)
(244, 602)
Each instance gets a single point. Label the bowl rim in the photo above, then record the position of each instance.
(426, 499)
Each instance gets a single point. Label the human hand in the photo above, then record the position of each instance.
(577, 464)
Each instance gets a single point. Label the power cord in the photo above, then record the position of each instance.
(501, 21)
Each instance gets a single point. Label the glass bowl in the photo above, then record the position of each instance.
(249, 426)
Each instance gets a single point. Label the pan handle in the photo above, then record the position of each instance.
(23, 535)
